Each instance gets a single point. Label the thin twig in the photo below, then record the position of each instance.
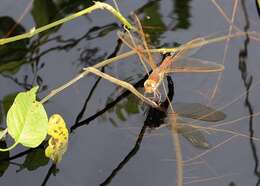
(96, 6)
(226, 48)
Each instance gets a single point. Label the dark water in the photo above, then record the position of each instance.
(102, 146)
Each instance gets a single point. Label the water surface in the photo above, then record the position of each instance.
(102, 140)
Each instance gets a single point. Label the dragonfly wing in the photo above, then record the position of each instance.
(193, 65)
(124, 36)
(199, 112)
(193, 46)
(194, 135)
(135, 43)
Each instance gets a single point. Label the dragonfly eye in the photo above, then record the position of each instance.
(173, 53)
(149, 86)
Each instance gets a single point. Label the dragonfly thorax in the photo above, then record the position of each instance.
(150, 86)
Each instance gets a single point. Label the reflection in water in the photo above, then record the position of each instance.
(127, 158)
(82, 111)
(4, 159)
(108, 106)
(182, 11)
(248, 79)
(257, 4)
(14, 55)
(154, 119)
(28, 51)
(52, 170)
(152, 21)
(68, 44)
(199, 112)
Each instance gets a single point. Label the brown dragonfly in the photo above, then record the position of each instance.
(177, 62)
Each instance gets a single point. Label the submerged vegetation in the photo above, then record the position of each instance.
(27, 119)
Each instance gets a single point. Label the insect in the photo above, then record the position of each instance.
(177, 62)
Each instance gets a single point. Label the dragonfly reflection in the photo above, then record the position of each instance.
(186, 128)
(194, 111)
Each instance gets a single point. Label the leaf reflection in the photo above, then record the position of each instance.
(12, 54)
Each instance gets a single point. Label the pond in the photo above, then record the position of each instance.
(115, 138)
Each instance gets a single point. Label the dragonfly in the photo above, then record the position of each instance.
(176, 62)
(180, 63)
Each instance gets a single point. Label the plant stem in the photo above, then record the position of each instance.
(84, 73)
(9, 148)
(96, 6)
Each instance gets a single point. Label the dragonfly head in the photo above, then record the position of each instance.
(149, 86)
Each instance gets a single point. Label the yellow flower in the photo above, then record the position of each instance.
(58, 142)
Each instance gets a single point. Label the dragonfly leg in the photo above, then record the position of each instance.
(123, 84)
(157, 94)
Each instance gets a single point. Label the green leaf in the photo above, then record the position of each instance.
(27, 121)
